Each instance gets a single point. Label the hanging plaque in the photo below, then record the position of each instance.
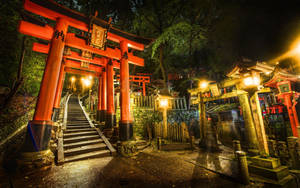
(85, 64)
(214, 90)
(86, 54)
(98, 37)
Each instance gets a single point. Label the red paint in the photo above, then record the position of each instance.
(124, 85)
(99, 93)
(43, 11)
(42, 32)
(43, 110)
(110, 89)
(103, 89)
(59, 86)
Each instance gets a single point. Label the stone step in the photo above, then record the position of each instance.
(95, 154)
(77, 120)
(84, 149)
(83, 133)
(82, 143)
(80, 138)
(273, 174)
(78, 130)
(78, 123)
(78, 127)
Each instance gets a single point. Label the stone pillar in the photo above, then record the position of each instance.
(39, 130)
(249, 124)
(202, 120)
(56, 107)
(259, 124)
(110, 112)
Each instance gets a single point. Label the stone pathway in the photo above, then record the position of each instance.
(148, 169)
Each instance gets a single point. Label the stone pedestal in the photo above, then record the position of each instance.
(127, 148)
(270, 171)
(36, 160)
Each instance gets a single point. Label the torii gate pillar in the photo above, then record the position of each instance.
(103, 96)
(110, 112)
(99, 98)
(56, 107)
(126, 123)
(39, 129)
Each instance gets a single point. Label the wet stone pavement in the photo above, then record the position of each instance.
(148, 169)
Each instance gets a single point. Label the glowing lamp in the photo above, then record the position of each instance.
(251, 81)
(87, 82)
(73, 79)
(203, 84)
(163, 103)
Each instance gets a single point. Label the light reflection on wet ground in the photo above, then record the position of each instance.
(148, 169)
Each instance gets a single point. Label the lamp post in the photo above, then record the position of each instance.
(250, 83)
(163, 104)
(202, 116)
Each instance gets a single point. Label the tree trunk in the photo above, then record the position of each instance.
(163, 71)
(19, 79)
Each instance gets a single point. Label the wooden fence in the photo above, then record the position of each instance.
(175, 132)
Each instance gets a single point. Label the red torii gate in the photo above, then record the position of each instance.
(139, 79)
(284, 83)
(39, 128)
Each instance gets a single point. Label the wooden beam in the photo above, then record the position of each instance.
(42, 32)
(80, 72)
(77, 65)
(77, 23)
(43, 48)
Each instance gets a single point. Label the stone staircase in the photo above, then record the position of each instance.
(80, 140)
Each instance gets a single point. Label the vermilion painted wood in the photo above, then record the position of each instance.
(134, 78)
(73, 41)
(81, 72)
(59, 86)
(110, 89)
(42, 48)
(43, 11)
(77, 65)
(43, 110)
(42, 32)
(99, 93)
(293, 119)
(124, 85)
(104, 89)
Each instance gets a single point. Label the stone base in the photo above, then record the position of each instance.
(270, 163)
(38, 136)
(127, 148)
(125, 131)
(110, 120)
(100, 115)
(108, 132)
(36, 160)
(269, 170)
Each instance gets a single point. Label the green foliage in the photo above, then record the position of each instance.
(181, 37)
(10, 51)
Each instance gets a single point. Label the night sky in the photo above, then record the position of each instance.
(266, 29)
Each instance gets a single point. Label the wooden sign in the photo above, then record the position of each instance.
(85, 64)
(98, 38)
(214, 90)
(86, 54)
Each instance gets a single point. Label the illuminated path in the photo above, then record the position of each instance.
(164, 169)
